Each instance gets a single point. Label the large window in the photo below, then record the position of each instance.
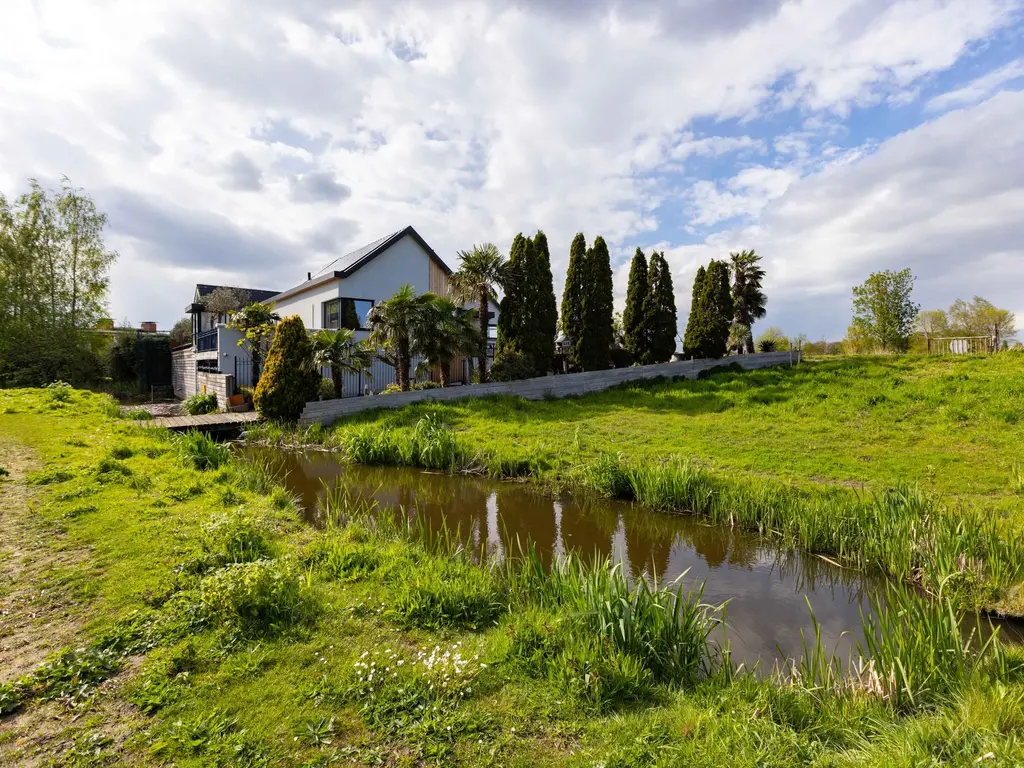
(347, 313)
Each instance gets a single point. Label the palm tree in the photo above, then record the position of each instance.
(480, 274)
(392, 323)
(339, 351)
(445, 331)
(748, 298)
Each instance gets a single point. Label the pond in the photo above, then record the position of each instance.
(768, 588)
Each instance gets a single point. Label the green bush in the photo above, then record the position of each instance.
(326, 389)
(425, 385)
(289, 379)
(261, 597)
(390, 389)
(59, 391)
(200, 403)
(511, 365)
(200, 451)
(766, 345)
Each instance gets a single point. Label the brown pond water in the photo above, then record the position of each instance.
(767, 588)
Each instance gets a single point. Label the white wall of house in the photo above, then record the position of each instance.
(404, 262)
(228, 349)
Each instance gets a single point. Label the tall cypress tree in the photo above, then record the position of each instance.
(633, 325)
(722, 307)
(511, 317)
(596, 343)
(663, 322)
(572, 297)
(545, 307)
(693, 337)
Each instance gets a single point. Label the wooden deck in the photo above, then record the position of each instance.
(208, 422)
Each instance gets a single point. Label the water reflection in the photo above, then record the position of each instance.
(767, 589)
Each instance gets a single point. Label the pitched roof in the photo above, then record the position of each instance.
(350, 262)
(253, 294)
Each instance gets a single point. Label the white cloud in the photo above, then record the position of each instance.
(980, 88)
(745, 195)
(943, 199)
(470, 120)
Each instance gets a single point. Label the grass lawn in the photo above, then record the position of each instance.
(953, 425)
(913, 465)
(161, 603)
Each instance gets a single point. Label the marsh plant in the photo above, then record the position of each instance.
(431, 445)
(200, 451)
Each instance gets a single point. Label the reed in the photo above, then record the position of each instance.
(200, 451)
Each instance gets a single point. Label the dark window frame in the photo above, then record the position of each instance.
(325, 312)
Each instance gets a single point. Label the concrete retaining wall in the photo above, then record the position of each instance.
(329, 411)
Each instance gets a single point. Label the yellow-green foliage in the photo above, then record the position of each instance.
(289, 380)
(240, 636)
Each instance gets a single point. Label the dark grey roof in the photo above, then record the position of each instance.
(350, 262)
(253, 294)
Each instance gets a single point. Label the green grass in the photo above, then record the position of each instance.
(907, 464)
(214, 628)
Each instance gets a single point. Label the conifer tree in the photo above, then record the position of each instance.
(543, 306)
(633, 326)
(512, 315)
(596, 343)
(289, 378)
(662, 322)
(693, 337)
(721, 307)
(572, 297)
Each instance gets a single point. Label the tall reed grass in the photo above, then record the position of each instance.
(916, 652)
(900, 530)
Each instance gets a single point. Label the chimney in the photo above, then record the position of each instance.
(309, 275)
(148, 327)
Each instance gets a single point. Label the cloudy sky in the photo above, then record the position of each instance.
(247, 142)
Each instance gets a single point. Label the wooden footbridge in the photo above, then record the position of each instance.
(214, 423)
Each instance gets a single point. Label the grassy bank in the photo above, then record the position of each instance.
(170, 608)
(909, 464)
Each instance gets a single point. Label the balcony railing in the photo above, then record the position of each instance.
(206, 341)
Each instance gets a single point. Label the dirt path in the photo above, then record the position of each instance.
(36, 619)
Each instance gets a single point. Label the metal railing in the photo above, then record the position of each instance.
(962, 345)
(206, 341)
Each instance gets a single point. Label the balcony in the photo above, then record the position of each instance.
(206, 341)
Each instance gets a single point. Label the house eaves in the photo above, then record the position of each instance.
(351, 263)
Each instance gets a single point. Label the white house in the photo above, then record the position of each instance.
(340, 295)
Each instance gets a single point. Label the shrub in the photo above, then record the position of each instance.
(289, 380)
(58, 391)
(510, 365)
(200, 403)
(766, 345)
(326, 389)
(389, 389)
(261, 597)
(425, 385)
(200, 451)
(621, 357)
